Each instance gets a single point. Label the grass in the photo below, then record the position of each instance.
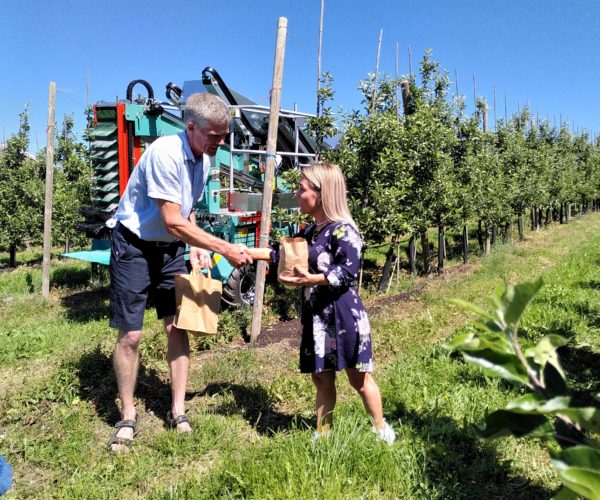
(254, 413)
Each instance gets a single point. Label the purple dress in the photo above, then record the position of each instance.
(335, 329)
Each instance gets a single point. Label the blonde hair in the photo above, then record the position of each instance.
(327, 178)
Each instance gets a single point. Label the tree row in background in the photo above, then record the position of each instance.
(414, 160)
(22, 190)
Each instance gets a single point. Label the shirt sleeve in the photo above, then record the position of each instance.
(163, 177)
(342, 263)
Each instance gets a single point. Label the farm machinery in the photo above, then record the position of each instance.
(231, 204)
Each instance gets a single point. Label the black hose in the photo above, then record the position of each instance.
(129, 94)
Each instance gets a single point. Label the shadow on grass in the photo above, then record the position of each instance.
(88, 305)
(256, 408)
(459, 465)
(67, 277)
(98, 384)
(591, 284)
(582, 366)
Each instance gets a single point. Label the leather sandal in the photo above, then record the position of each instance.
(174, 422)
(114, 439)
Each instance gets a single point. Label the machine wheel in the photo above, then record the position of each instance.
(239, 289)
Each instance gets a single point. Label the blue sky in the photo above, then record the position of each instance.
(545, 52)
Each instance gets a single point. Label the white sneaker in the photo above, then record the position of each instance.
(318, 436)
(386, 433)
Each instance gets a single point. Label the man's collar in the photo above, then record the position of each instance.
(187, 148)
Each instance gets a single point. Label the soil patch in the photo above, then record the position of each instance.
(290, 331)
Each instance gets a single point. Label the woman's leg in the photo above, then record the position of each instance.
(325, 384)
(368, 390)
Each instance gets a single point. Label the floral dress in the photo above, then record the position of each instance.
(335, 329)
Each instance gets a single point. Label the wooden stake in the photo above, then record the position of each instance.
(396, 81)
(376, 71)
(456, 82)
(49, 190)
(267, 201)
(495, 116)
(319, 58)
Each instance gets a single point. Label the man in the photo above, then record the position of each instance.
(153, 222)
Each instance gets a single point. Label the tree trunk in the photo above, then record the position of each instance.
(532, 215)
(465, 241)
(494, 234)
(440, 266)
(562, 213)
(387, 267)
(568, 213)
(488, 243)
(480, 236)
(412, 255)
(548, 217)
(12, 255)
(426, 252)
(520, 227)
(507, 230)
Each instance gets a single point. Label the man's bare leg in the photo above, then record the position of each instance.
(126, 360)
(178, 356)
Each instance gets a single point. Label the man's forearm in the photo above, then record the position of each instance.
(191, 234)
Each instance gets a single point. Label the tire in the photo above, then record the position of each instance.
(240, 288)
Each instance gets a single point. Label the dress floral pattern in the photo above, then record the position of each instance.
(336, 333)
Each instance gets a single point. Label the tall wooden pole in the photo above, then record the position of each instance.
(376, 71)
(319, 58)
(410, 72)
(265, 225)
(396, 81)
(495, 115)
(456, 81)
(49, 190)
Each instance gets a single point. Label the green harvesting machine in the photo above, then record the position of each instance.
(231, 205)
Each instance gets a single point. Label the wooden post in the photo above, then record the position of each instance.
(412, 255)
(396, 82)
(49, 191)
(441, 253)
(485, 120)
(465, 242)
(319, 58)
(265, 225)
(376, 71)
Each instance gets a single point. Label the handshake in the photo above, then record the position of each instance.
(237, 255)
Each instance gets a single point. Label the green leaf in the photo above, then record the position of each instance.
(545, 352)
(536, 404)
(579, 470)
(471, 341)
(564, 494)
(554, 381)
(516, 299)
(473, 308)
(587, 418)
(498, 364)
(505, 422)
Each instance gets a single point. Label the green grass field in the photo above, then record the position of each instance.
(253, 412)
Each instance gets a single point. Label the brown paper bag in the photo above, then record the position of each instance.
(292, 252)
(198, 300)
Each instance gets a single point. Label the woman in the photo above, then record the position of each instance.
(335, 329)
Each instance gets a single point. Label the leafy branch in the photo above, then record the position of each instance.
(546, 411)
